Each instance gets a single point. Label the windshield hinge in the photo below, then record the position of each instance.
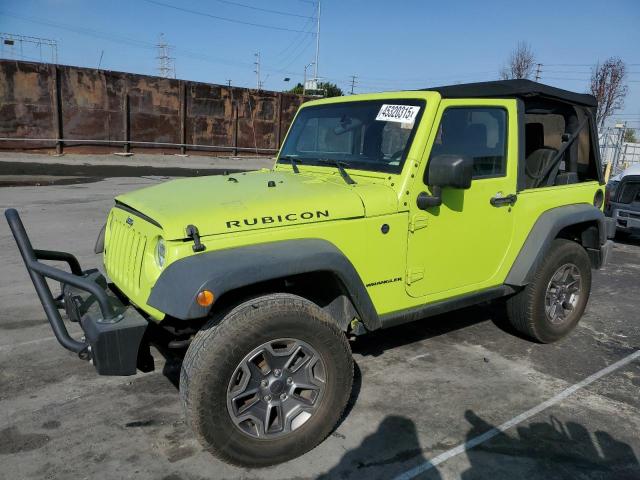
(418, 221)
(192, 232)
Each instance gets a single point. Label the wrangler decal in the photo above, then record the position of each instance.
(383, 282)
(289, 217)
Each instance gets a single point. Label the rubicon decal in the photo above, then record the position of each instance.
(284, 218)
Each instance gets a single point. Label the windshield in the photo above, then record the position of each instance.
(366, 135)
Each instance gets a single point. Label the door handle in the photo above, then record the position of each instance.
(499, 201)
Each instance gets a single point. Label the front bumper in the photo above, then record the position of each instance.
(627, 220)
(113, 332)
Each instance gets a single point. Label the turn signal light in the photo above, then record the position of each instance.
(205, 298)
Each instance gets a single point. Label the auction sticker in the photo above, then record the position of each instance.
(398, 113)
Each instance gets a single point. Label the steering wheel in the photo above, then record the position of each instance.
(396, 155)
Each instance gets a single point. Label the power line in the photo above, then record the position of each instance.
(285, 52)
(216, 17)
(277, 12)
(305, 46)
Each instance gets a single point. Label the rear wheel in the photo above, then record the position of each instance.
(268, 382)
(552, 304)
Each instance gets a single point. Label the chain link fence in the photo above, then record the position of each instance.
(615, 151)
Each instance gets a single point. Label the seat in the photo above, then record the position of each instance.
(538, 156)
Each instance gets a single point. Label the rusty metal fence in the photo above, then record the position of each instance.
(43, 106)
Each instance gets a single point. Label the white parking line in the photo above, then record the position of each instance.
(18, 345)
(443, 457)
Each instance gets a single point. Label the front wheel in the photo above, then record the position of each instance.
(553, 303)
(268, 382)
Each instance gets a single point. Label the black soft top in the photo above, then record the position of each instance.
(514, 88)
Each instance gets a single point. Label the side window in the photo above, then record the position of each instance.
(476, 132)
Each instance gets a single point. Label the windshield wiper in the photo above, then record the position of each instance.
(343, 173)
(292, 160)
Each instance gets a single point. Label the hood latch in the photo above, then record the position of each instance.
(192, 232)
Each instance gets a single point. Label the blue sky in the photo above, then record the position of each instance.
(387, 44)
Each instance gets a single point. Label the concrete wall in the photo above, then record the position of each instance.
(106, 106)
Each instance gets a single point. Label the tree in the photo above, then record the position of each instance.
(329, 89)
(521, 63)
(607, 85)
(630, 136)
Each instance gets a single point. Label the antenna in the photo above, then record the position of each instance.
(166, 63)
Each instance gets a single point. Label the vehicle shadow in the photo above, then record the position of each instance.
(632, 240)
(385, 453)
(547, 450)
(539, 450)
(375, 343)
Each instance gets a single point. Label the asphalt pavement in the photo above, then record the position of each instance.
(453, 396)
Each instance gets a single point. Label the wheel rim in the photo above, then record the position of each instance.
(563, 293)
(276, 388)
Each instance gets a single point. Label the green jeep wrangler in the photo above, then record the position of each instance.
(381, 209)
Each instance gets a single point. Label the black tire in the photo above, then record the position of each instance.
(526, 309)
(222, 345)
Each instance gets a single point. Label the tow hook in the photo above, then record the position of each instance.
(192, 232)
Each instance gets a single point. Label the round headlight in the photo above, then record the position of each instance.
(160, 251)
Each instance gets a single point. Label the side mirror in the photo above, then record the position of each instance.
(452, 171)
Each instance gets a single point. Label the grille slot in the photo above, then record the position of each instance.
(124, 256)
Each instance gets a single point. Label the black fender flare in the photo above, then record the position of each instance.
(222, 271)
(545, 230)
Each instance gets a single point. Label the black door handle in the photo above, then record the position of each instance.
(500, 201)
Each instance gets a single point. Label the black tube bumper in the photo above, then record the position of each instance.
(113, 331)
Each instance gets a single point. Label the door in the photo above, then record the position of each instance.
(459, 246)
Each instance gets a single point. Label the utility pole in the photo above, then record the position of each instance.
(228, 82)
(538, 71)
(166, 65)
(353, 82)
(315, 70)
(304, 82)
(257, 70)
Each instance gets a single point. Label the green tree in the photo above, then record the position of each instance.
(630, 136)
(329, 89)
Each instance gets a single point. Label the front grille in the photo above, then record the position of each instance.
(124, 255)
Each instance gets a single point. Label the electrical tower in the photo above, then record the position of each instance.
(257, 71)
(538, 71)
(166, 63)
(353, 82)
(23, 47)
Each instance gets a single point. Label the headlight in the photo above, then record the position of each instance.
(160, 250)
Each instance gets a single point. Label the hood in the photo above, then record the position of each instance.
(247, 201)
